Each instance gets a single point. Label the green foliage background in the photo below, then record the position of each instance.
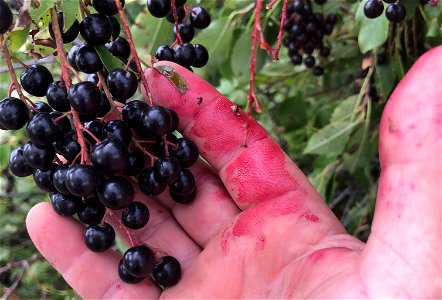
(328, 125)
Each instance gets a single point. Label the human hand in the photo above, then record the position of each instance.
(258, 229)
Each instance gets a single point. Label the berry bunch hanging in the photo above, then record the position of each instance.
(395, 11)
(186, 20)
(305, 33)
(88, 163)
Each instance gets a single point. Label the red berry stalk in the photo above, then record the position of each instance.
(8, 61)
(133, 50)
(67, 81)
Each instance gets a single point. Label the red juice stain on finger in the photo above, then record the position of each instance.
(261, 172)
(251, 221)
(221, 131)
(311, 217)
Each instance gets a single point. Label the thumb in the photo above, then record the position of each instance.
(407, 223)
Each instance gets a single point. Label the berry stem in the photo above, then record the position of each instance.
(92, 135)
(84, 8)
(56, 120)
(67, 81)
(7, 58)
(175, 18)
(133, 50)
(108, 95)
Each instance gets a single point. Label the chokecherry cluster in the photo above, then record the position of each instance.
(90, 167)
(305, 33)
(395, 12)
(188, 19)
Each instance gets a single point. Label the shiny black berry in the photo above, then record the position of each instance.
(149, 184)
(43, 178)
(373, 8)
(118, 130)
(309, 61)
(106, 7)
(199, 17)
(122, 84)
(116, 192)
(105, 106)
(185, 183)
(158, 8)
(96, 128)
(41, 106)
(184, 54)
(59, 179)
(156, 120)
(119, 48)
(167, 169)
(187, 32)
(185, 151)
(67, 35)
(42, 130)
(65, 205)
(126, 276)
(17, 163)
(201, 56)
(132, 113)
(71, 56)
(318, 71)
(81, 180)
(134, 163)
(57, 97)
(164, 53)
(136, 215)
(296, 59)
(115, 26)
(5, 17)
(139, 260)
(87, 60)
(396, 12)
(68, 146)
(183, 199)
(39, 157)
(180, 12)
(99, 238)
(13, 113)
(91, 211)
(36, 80)
(96, 29)
(167, 271)
(109, 156)
(85, 97)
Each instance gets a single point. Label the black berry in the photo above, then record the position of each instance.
(119, 48)
(67, 35)
(165, 53)
(41, 106)
(201, 56)
(42, 130)
(43, 178)
(13, 113)
(5, 17)
(91, 211)
(136, 215)
(149, 183)
(65, 205)
(184, 54)
(185, 151)
(156, 120)
(126, 276)
(185, 183)
(134, 163)
(122, 84)
(116, 192)
(158, 8)
(59, 179)
(36, 80)
(167, 169)
(139, 260)
(87, 60)
(396, 12)
(39, 157)
(109, 156)
(187, 32)
(373, 8)
(99, 238)
(81, 180)
(118, 130)
(17, 163)
(199, 17)
(96, 29)
(57, 97)
(167, 271)
(68, 146)
(85, 97)
(106, 7)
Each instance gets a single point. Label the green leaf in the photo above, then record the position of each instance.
(17, 38)
(71, 11)
(330, 140)
(109, 61)
(344, 110)
(293, 112)
(372, 32)
(5, 149)
(149, 33)
(385, 78)
(217, 38)
(37, 12)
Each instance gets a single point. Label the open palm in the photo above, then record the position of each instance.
(258, 229)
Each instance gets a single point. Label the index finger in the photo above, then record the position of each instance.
(259, 172)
